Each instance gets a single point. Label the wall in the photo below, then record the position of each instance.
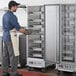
(24, 2)
(1, 15)
(22, 16)
(4, 3)
(42, 2)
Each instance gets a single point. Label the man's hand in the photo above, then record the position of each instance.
(22, 30)
(25, 31)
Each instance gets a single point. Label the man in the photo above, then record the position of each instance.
(10, 22)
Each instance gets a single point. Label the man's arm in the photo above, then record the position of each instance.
(16, 25)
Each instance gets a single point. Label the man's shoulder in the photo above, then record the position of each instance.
(7, 14)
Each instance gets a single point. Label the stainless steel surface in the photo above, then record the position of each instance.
(34, 40)
(22, 50)
(43, 21)
(67, 54)
(51, 31)
(67, 33)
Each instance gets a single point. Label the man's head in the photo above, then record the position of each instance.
(13, 6)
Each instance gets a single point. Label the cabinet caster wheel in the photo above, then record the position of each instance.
(74, 73)
(30, 69)
(58, 73)
(43, 70)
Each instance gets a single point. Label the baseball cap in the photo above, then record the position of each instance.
(13, 3)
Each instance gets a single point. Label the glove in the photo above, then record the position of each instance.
(28, 32)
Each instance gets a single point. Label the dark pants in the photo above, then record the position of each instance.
(9, 58)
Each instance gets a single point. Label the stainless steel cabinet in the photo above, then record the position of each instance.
(67, 54)
(41, 44)
(22, 50)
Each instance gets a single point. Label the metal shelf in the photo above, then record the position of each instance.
(36, 25)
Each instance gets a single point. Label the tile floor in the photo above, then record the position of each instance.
(37, 72)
